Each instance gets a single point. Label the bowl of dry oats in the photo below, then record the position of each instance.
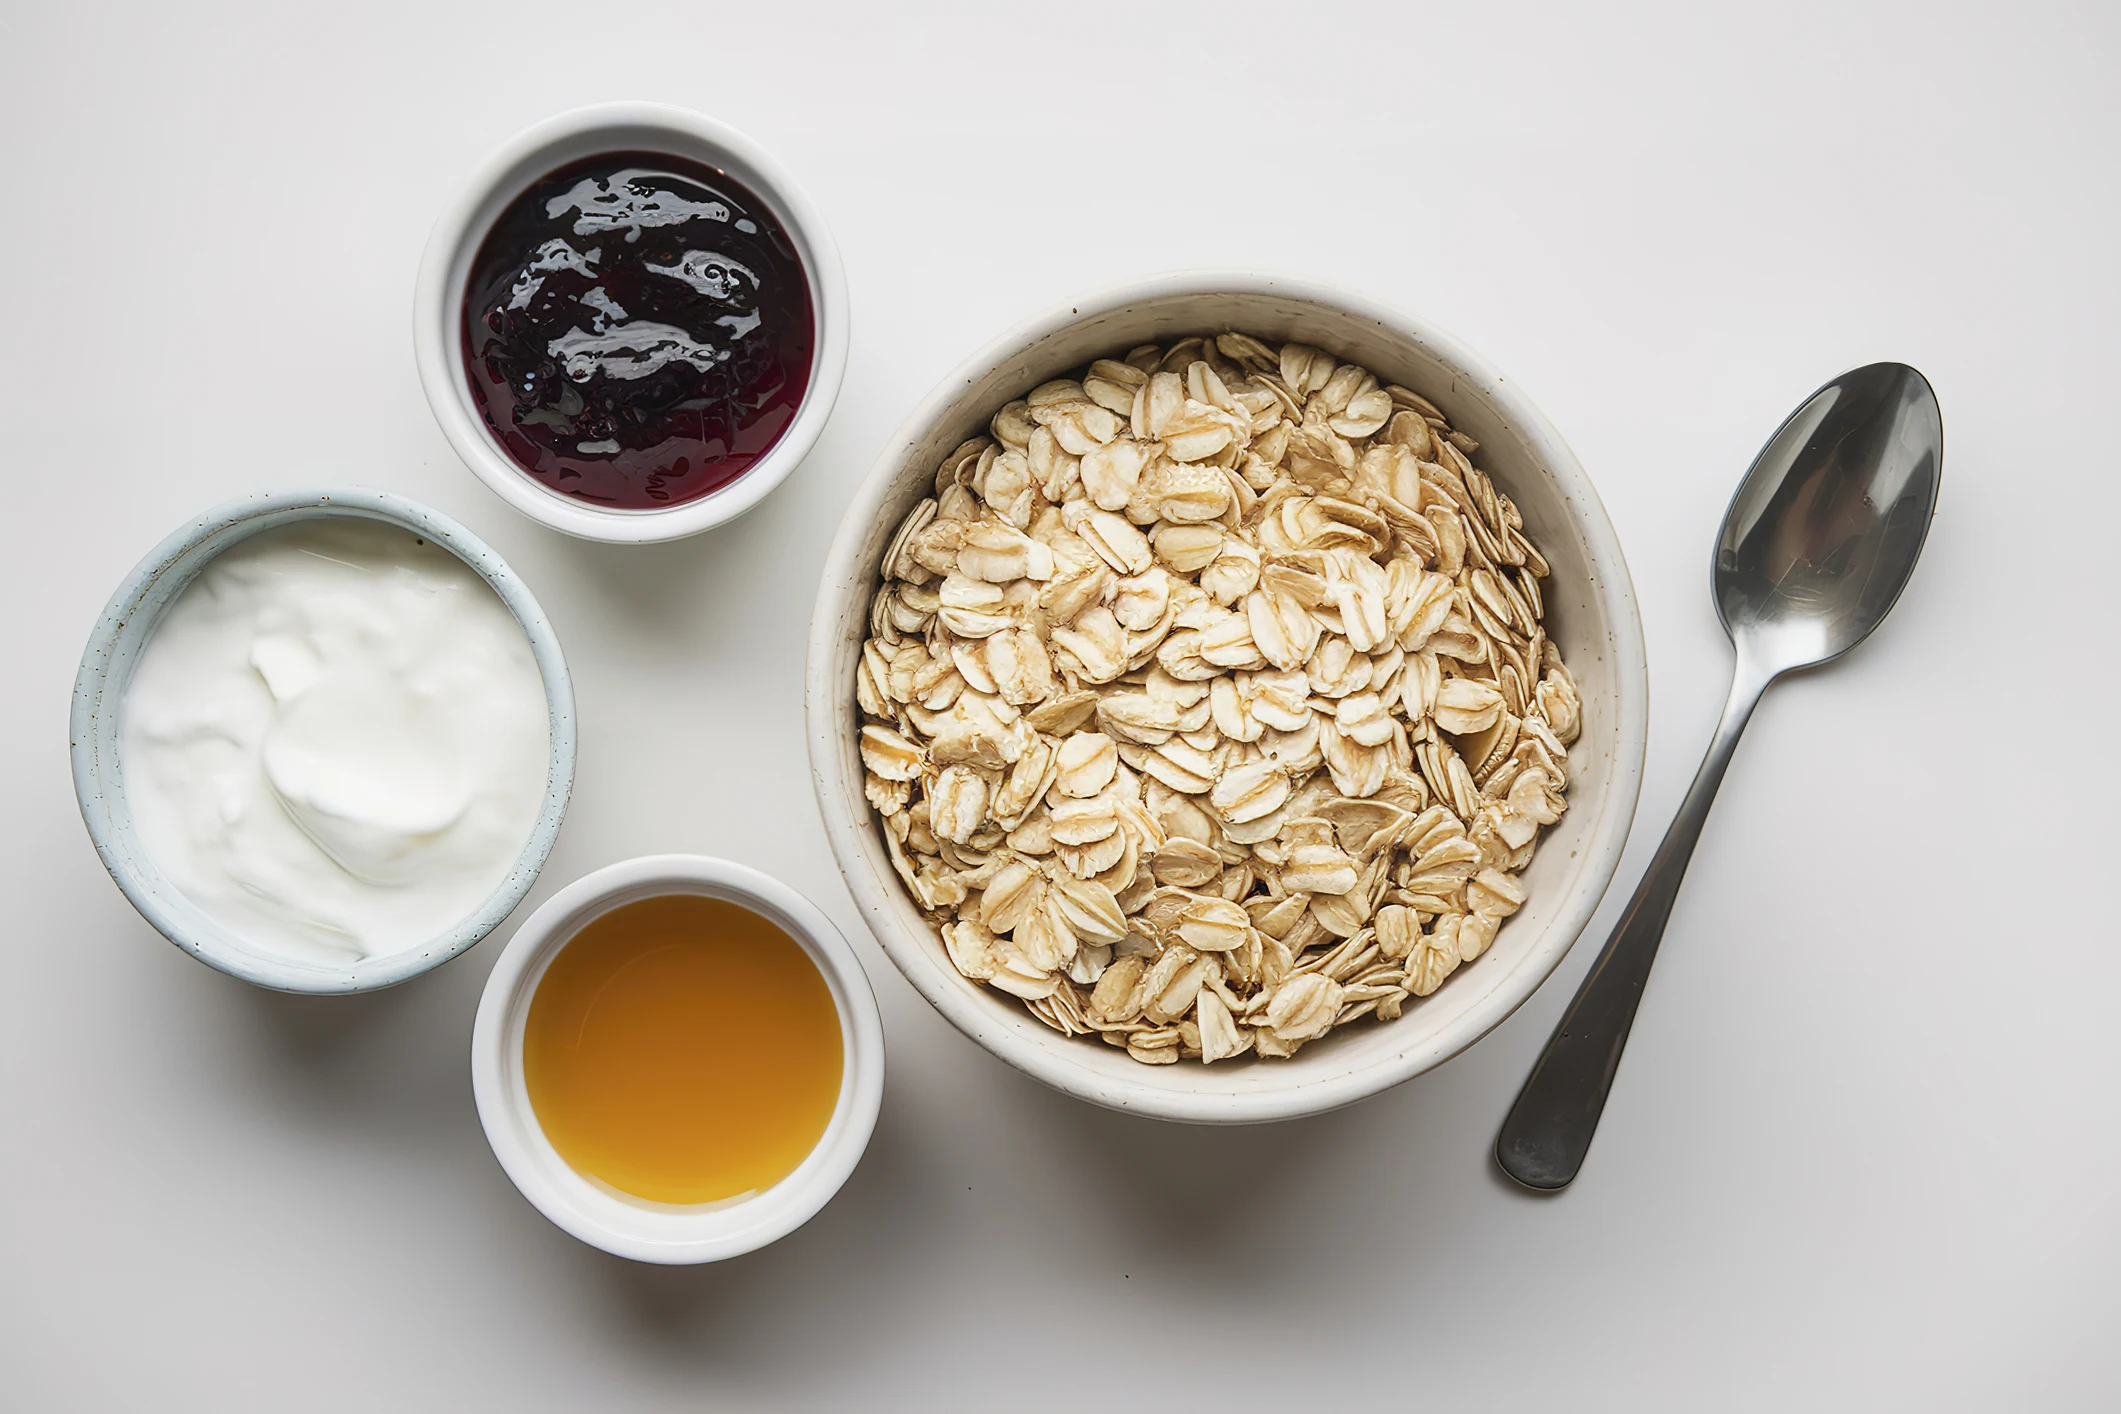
(1226, 698)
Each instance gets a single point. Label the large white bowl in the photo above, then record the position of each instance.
(438, 310)
(1590, 613)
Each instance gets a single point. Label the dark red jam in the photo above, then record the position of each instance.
(637, 330)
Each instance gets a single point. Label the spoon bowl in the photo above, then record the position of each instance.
(1815, 549)
(1824, 530)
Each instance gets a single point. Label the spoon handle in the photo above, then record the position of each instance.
(1549, 1129)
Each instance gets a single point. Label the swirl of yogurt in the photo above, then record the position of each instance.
(335, 742)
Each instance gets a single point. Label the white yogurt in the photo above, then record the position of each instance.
(335, 742)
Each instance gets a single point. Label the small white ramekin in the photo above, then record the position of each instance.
(600, 1216)
(438, 331)
(99, 770)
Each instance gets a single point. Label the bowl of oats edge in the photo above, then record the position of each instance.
(1226, 697)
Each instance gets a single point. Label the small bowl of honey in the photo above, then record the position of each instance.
(678, 1059)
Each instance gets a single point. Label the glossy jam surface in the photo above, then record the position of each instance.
(683, 1049)
(637, 330)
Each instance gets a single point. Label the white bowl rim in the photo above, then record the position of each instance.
(92, 685)
(1047, 1059)
(436, 328)
(676, 1235)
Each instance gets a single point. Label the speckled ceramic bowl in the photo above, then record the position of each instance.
(1590, 612)
(99, 775)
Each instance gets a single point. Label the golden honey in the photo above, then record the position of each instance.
(684, 1050)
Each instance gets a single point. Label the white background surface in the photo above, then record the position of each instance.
(1862, 1149)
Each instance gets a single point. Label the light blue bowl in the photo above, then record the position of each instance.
(99, 774)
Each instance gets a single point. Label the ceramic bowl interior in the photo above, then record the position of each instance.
(1590, 613)
(127, 623)
(618, 1222)
(438, 330)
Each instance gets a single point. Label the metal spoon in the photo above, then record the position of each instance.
(1816, 546)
